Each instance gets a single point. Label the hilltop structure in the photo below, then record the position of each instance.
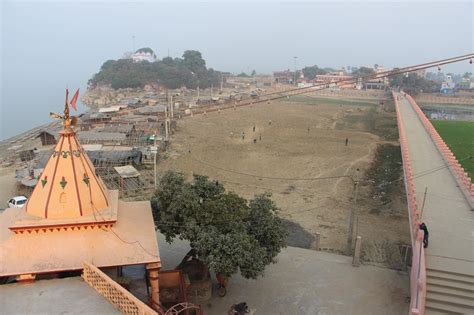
(144, 54)
(72, 218)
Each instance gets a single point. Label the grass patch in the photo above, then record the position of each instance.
(384, 176)
(446, 107)
(459, 136)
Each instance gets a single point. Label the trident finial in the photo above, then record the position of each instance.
(67, 120)
(66, 105)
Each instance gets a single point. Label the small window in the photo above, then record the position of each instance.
(21, 202)
(62, 198)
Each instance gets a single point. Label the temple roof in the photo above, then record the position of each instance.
(131, 240)
(68, 186)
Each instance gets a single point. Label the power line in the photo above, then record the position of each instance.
(322, 86)
(274, 178)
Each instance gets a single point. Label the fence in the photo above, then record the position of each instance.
(113, 292)
(462, 178)
(418, 268)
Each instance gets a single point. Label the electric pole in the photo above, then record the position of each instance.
(294, 79)
(155, 152)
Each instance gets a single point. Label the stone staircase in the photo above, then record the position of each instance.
(449, 292)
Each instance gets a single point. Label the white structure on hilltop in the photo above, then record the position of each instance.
(144, 54)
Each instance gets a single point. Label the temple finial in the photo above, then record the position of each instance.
(66, 105)
(67, 120)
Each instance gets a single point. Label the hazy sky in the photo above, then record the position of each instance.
(46, 46)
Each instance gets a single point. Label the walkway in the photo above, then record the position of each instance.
(450, 255)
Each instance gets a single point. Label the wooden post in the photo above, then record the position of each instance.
(352, 210)
(317, 241)
(356, 258)
(153, 269)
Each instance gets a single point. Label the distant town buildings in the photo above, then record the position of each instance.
(285, 76)
(332, 77)
(448, 86)
(465, 84)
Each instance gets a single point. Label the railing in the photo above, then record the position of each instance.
(113, 292)
(418, 268)
(418, 277)
(462, 178)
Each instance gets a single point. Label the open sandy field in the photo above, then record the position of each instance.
(294, 144)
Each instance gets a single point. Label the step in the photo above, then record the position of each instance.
(441, 308)
(451, 276)
(449, 284)
(450, 291)
(457, 301)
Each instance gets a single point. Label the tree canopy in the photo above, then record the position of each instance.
(413, 83)
(145, 50)
(189, 71)
(227, 232)
(313, 71)
(362, 71)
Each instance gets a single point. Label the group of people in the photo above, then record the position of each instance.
(254, 129)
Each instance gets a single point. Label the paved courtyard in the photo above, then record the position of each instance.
(57, 296)
(308, 282)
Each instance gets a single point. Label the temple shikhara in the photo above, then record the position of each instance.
(72, 220)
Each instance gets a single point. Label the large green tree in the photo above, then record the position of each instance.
(227, 232)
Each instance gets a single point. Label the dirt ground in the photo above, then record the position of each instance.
(8, 186)
(295, 140)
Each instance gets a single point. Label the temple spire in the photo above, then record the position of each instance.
(68, 187)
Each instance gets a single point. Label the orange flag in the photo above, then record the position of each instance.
(74, 100)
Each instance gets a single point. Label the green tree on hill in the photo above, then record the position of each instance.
(146, 50)
(189, 71)
(192, 60)
(225, 231)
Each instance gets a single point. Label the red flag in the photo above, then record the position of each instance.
(74, 100)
